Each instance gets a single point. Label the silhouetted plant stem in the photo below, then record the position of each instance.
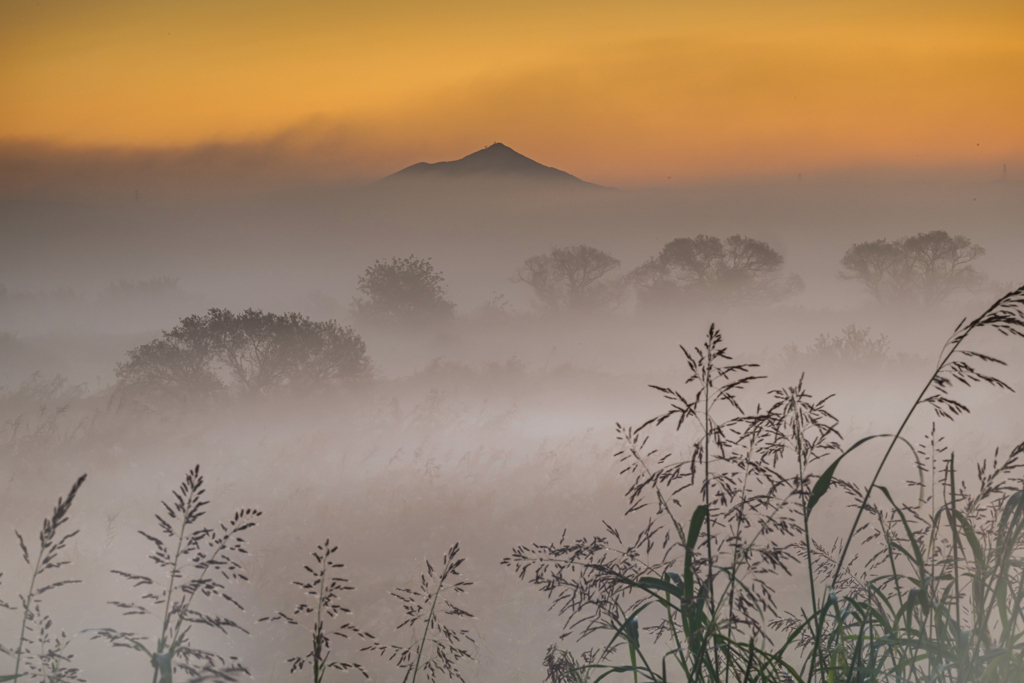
(187, 552)
(1004, 315)
(707, 469)
(318, 633)
(736, 552)
(25, 613)
(711, 631)
(878, 471)
(162, 642)
(426, 631)
(323, 582)
(49, 546)
(421, 609)
(802, 455)
(956, 544)
(176, 633)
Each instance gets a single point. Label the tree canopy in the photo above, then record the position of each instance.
(924, 269)
(179, 363)
(570, 278)
(708, 269)
(403, 290)
(250, 351)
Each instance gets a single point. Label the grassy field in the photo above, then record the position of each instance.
(737, 526)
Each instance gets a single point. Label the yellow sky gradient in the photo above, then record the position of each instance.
(622, 93)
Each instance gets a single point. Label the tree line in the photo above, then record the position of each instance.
(254, 351)
(925, 269)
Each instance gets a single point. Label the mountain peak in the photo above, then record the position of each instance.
(496, 161)
(497, 147)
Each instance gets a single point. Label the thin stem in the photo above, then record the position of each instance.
(426, 629)
(801, 457)
(199, 581)
(889, 450)
(736, 549)
(27, 608)
(170, 591)
(956, 544)
(318, 632)
(707, 490)
(707, 467)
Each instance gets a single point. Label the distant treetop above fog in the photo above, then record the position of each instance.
(571, 278)
(924, 269)
(402, 291)
(706, 269)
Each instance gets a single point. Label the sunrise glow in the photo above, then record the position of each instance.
(613, 92)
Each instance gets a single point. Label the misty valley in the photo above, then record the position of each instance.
(484, 421)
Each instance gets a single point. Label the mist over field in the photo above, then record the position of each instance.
(493, 426)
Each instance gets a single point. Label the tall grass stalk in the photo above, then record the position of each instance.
(195, 559)
(439, 648)
(50, 547)
(325, 584)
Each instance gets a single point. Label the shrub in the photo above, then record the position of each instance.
(59, 296)
(264, 350)
(257, 351)
(853, 347)
(406, 290)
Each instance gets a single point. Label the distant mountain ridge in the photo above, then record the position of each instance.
(496, 162)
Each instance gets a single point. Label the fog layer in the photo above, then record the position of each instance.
(494, 429)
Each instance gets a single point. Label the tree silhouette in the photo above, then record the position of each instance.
(569, 278)
(879, 265)
(178, 364)
(924, 269)
(705, 268)
(258, 351)
(406, 290)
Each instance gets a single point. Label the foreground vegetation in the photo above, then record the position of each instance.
(693, 594)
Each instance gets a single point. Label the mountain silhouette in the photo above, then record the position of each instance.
(494, 162)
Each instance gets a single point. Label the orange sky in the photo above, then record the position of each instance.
(615, 92)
